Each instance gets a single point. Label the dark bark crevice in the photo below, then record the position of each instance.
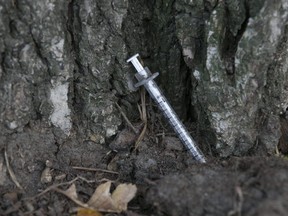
(230, 42)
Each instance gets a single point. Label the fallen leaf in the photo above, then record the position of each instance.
(71, 193)
(88, 212)
(123, 194)
(117, 202)
(101, 198)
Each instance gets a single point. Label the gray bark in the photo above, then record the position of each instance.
(246, 43)
(63, 67)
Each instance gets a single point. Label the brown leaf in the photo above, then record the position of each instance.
(88, 212)
(123, 194)
(72, 194)
(117, 202)
(101, 199)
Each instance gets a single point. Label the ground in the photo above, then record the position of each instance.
(168, 180)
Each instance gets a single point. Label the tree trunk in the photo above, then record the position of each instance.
(222, 64)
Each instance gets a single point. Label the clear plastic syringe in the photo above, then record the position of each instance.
(145, 78)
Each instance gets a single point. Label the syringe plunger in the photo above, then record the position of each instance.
(145, 78)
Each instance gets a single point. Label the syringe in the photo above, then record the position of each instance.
(145, 78)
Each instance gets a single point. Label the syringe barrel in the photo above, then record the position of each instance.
(174, 120)
(145, 78)
(170, 114)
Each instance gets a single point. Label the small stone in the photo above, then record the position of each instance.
(48, 163)
(123, 140)
(31, 168)
(60, 177)
(46, 176)
(172, 144)
(11, 196)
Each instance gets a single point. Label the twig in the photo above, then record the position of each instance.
(11, 172)
(126, 119)
(52, 187)
(94, 170)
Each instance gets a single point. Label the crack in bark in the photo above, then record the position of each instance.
(229, 45)
(39, 52)
(73, 12)
(2, 63)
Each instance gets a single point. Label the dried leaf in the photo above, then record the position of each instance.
(71, 192)
(123, 194)
(117, 202)
(101, 199)
(88, 212)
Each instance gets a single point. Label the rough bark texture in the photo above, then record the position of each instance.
(222, 63)
(245, 40)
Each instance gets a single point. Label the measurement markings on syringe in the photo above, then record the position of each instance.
(145, 77)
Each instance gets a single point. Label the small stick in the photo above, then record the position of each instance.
(52, 187)
(11, 173)
(94, 170)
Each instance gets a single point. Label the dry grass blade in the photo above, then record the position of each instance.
(141, 136)
(126, 119)
(143, 105)
(11, 172)
(143, 116)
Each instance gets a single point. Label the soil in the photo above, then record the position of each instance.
(169, 181)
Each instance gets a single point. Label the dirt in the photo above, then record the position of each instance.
(169, 181)
(238, 186)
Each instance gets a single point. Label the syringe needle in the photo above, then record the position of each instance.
(145, 78)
